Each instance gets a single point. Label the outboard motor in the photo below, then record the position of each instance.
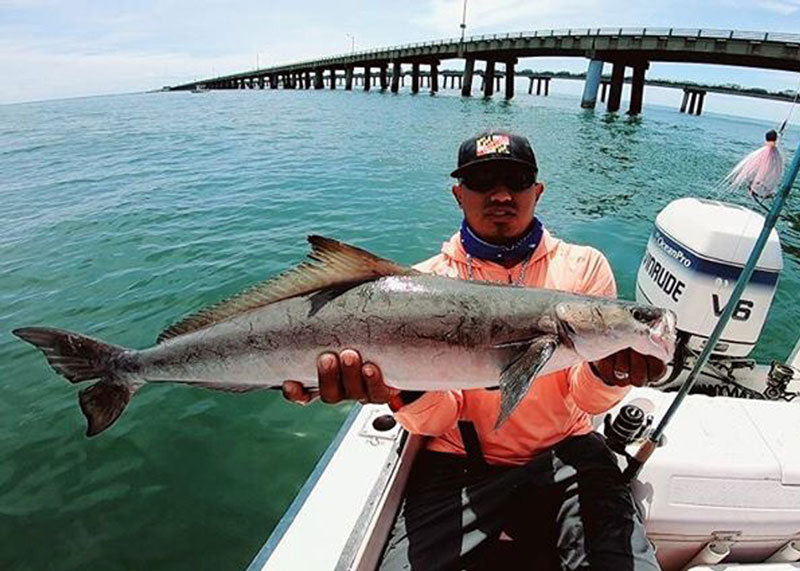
(694, 257)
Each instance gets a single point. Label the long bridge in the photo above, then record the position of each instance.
(621, 47)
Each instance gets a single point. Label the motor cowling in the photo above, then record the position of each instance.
(693, 259)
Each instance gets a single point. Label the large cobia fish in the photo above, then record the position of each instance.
(425, 332)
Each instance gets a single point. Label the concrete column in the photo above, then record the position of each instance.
(261, 82)
(434, 77)
(415, 77)
(367, 77)
(546, 86)
(530, 85)
(702, 96)
(685, 100)
(692, 99)
(617, 77)
(510, 75)
(469, 71)
(397, 70)
(348, 78)
(332, 78)
(603, 91)
(318, 81)
(593, 75)
(384, 80)
(538, 86)
(637, 89)
(488, 79)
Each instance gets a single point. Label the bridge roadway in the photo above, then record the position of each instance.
(621, 47)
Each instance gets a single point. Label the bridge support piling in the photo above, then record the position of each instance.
(469, 71)
(415, 77)
(538, 86)
(333, 78)
(692, 100)
(396, 73)
(384, 80)
(348, 78)
(367, 77)
(510, 76)
(318, 81)
(434, 77)
(488, 79)
(685, 100)
(261, 82)
(637, 88)
(615, 96)
(593, 75)
(546, 86)
(603, 91)
(701, 97)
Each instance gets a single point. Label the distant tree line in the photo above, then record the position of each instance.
(677, 83)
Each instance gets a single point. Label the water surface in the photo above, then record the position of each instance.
(119, 215)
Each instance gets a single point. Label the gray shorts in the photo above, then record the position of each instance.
(566, 509)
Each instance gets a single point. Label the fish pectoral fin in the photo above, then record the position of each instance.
(517, 377)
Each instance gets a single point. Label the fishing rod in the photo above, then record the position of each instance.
(636, 462)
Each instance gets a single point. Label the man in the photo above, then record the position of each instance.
(544, 479)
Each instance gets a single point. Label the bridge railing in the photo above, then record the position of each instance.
(565, 32)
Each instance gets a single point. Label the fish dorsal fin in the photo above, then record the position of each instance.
(332, 263)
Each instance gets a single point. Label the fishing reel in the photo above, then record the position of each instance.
(631, 424)
(778, 379)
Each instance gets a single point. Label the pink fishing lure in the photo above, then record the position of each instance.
(760, 171)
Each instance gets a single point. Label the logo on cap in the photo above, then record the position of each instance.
(493, 145)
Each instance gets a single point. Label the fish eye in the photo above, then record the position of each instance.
(644, 314)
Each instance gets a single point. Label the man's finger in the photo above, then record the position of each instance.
(656, 368)
(330, 379)
(351, 375)
(622, 368)
(295, 392)
(605, 367)
(377, 391)
(638, 369)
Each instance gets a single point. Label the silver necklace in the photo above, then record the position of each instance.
(517, 282)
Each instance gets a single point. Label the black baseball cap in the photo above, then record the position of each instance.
(494, 146)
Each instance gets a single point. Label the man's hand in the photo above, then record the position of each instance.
(342, 377)
(627, 367)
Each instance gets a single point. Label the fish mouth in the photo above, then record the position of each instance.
(663, 335)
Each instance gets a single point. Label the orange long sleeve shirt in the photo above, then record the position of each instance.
(558, 405)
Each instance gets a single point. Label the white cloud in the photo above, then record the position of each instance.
(784, 7)
(44, 75)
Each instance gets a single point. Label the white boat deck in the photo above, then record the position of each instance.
(340, 518)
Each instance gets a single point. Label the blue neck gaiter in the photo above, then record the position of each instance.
(515, 252)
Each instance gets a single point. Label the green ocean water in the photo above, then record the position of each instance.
(119, 215)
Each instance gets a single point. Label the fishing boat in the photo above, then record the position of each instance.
(724, 486)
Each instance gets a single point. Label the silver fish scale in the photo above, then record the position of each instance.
(423, 329)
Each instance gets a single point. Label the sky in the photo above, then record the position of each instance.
(53, 49)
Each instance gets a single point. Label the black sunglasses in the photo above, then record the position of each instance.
(484, 180)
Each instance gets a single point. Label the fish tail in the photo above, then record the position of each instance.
(79, 358)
